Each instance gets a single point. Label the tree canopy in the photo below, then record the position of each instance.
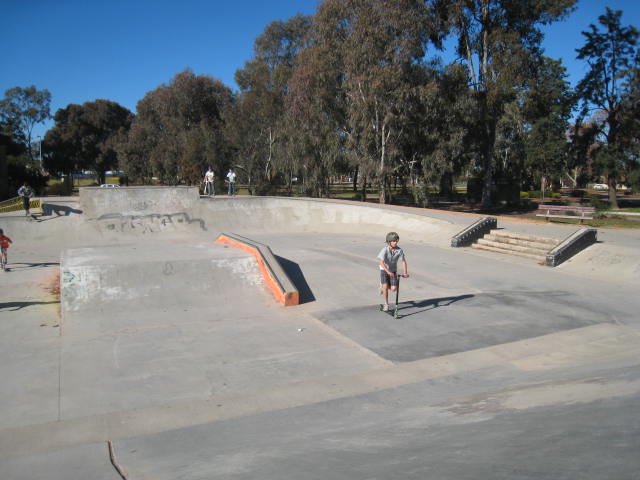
(499, 42)
(22, 109)
(359, 89)
(178, 131)
(609, 91)
(86, 137)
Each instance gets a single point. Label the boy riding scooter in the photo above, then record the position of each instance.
(389, 279)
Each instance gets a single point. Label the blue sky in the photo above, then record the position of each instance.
(83, 50)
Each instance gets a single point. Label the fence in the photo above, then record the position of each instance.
(15, 204)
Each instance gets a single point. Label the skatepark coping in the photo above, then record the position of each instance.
(272, 272)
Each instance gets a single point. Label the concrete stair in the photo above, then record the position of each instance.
(513, 243)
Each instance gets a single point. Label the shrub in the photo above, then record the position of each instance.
(265, 188)
(538, 194)
(598, 203)
(60, 189)
(576, 192)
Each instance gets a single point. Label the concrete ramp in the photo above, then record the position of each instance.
(151, 211)
(122, 285)
(295, 215)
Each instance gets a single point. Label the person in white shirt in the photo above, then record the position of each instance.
(209, 177)
(231, 180)
(26, 193)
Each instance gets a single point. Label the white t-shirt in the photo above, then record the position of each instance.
(391, 259)
(208, 177)
(231, 176)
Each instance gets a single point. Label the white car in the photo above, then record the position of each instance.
(109, 185)
(601, 186)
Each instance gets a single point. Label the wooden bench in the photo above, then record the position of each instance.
(562, 211)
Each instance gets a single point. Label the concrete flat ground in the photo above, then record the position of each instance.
(175, 355)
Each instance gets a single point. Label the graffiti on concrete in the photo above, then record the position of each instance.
(142, 205)
(68, 277)
(168, 268)
(147, 224)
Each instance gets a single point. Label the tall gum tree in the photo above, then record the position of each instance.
(178, 130)
(609, 91)
(370, 49)
(85, 137)
(22, 109)
(499, 41)
(258, 125)
(546, 110)
(315, 102)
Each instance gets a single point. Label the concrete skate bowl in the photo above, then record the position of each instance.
(177, 221)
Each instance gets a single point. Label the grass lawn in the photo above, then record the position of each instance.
(605, 222)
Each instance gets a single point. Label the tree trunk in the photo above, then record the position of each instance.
(364, 188)
(488, 140)
(382, 198)
(383, 176)
(267, 167)
(446, 185)
(613, 199)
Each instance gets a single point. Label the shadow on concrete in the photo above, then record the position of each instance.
(49, 209)
(13, 306)
(292, 269)
(429, 304)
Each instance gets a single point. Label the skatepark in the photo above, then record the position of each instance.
(136, 346)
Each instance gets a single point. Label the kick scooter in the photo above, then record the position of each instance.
(395, 310)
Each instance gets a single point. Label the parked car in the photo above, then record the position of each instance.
(109, 185)
(601, 186)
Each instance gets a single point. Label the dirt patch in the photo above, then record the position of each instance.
(52, 285)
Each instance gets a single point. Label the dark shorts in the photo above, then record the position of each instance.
(390, 281)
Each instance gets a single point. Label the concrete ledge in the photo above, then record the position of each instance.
(275, 277)
(97, 202)
(571, 245)
(474, 231)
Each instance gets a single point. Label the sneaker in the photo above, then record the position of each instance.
(385, 307)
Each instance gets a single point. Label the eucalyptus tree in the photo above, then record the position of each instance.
(21, 110)
(378, 45)
(178, 130)
(610, 90)
(315, 105)
(546, 109)
(499, 42)
(258, 125)
(438, 138)
(86, 137)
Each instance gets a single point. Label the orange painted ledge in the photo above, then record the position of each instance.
(287, 298)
